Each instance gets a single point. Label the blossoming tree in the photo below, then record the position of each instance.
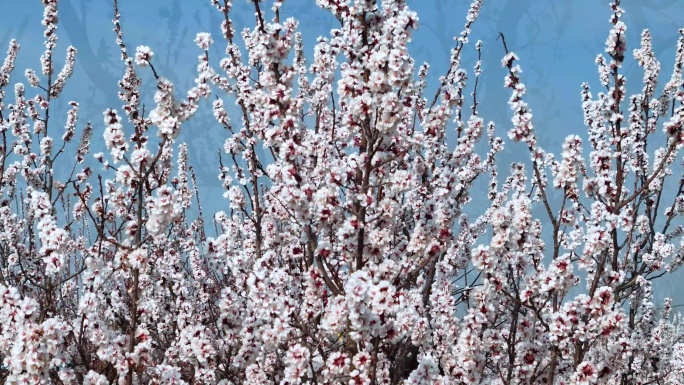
(345, 254)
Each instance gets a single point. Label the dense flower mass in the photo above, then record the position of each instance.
(344, 254)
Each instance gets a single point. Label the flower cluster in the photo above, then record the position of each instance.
(357, 244)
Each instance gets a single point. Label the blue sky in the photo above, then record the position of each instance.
(557, 42)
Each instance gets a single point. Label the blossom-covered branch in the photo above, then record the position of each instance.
(345, 253)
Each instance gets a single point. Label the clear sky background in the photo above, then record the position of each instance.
(557, 42)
